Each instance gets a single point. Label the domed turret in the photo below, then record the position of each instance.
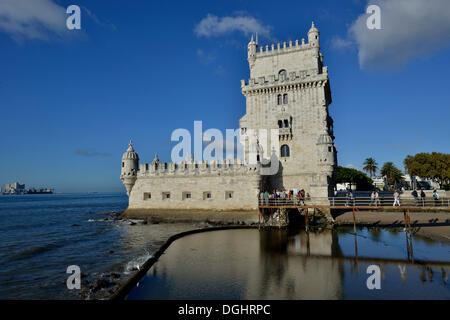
(252, 48)
(313, 36)
(130, 167)
(326, 150)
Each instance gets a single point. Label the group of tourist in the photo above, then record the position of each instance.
(296, 196)
(415, 194)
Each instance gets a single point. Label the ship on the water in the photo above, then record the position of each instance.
(40, 191)
(18, 189)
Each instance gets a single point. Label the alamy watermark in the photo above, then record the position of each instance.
(374, 20)
(374, 280)
(73, 22)
(256, 147)
(74, 280)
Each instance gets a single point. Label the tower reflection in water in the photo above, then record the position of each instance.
(295, 264)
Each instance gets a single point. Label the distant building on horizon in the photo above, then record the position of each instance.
(15, 188)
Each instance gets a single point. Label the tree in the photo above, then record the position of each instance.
(370, 166)
(434, 166)
(353, 176)
(393, 175)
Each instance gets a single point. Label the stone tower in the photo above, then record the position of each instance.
(130, 166)
(289, 91)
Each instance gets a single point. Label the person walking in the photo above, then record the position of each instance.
(435, 198)
(266, 198)
(301, 199)
(372, 198)
(377, 198)
(348, 197)
(396, 198)
(422, 197)
(416, 197)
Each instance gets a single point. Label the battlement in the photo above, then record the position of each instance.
(294, 76)
(287, 47)
(195, 168)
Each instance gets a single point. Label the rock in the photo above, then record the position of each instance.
(101, 284)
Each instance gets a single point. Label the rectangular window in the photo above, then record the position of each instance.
(147, 195)
(166, 195)
(207, 195)
(186, 195)
(229, 195)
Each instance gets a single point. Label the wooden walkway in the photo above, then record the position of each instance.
(274, 207)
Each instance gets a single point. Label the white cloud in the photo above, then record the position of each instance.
(213, 26)
(36, 19)
(410, 29)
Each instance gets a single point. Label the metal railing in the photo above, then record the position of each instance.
(354, 202)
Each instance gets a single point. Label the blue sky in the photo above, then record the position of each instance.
(71, 100)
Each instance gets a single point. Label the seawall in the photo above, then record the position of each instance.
(247, 217)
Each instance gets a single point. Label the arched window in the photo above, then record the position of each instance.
(280, 99)
(285, 150)
(285, 98)
(280, 124)
(282, 75)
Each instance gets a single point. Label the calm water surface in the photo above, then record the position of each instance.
(294, 264)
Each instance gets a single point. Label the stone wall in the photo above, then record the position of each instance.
(193, 186)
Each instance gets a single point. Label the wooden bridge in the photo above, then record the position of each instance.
(277, 208)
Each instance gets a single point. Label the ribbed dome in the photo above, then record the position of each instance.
(325, 139)
(130, 154)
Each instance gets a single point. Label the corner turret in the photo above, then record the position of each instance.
(130, 165)
(252, 49)
(313, 36)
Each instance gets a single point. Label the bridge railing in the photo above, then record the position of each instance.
(355, 202)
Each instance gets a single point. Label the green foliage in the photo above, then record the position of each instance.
(435, 166)
(393, 175)
(353, 176)
(370, 166)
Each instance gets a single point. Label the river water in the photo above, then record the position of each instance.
(41, 235)
(295, 264)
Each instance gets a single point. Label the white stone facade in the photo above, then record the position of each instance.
(288, 91)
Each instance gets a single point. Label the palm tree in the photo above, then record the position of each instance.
(393, 175)
(370, 166)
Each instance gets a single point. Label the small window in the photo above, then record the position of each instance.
(280, 124)
(280, 99)
(229, 195)
(207, 195)
(285, 98)
(186, 195)
(123, 164)
(330, 149)
(285, 151)
(166, 195)
(282, 75)
(286, 123)
(147, 195)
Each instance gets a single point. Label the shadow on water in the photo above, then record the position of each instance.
(295, 264)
